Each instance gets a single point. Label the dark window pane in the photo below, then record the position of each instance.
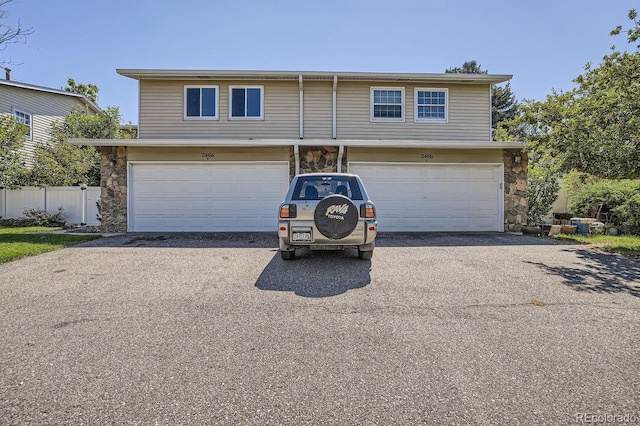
(387, 111)
(253, 102)
(237, 103)
(319, 187)
(208, 102)
(193, 102)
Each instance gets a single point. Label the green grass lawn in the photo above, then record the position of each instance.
(626, 244)
(16, 243)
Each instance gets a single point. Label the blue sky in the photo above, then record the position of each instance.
(544, 44)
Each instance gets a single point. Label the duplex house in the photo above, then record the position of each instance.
(216, 150)
(38, 107)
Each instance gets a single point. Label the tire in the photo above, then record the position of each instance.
(288, 254)
(336, 217)
(365, 255)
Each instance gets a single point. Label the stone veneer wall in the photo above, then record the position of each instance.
(113, 188)
(515, 190)
(317, 159)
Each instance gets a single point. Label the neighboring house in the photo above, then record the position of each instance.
(217, 150)
(37, 107)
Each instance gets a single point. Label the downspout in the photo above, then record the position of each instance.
(335, 88)
(296, 155)
(301, 107)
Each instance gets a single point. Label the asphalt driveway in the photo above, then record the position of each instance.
(218, 329)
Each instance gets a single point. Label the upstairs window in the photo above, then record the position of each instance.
(201, 102)
(387, 104)
(246, 102)
(24, 118)
(431, 105)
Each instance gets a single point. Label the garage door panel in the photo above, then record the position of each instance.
(485, 174)
(206, 197)
(430, 197)
(435, 173)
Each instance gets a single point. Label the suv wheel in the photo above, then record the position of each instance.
(336, 216)
(365, 255)
(288, 254)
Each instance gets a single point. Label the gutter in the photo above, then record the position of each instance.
(364, 143)
(422, 78)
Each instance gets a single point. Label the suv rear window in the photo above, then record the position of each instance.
(318, 187)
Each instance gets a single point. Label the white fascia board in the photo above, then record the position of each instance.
(305, 142)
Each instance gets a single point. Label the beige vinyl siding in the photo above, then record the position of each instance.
(318, 109)
(162, 111)
(44, 108)
(469, 117)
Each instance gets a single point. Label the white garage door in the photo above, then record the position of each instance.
(432, 197)
(204, 197)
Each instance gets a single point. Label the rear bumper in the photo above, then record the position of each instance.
(364, 234)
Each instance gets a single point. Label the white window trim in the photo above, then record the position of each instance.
(446, 105)
(386, 120)
(20, 111)
(198, 86)
(261, 117)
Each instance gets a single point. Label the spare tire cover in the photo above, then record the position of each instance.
(336, 216)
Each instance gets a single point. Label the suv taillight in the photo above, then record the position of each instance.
(367, 211)
(288, 211)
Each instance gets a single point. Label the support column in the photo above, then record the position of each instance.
(113, 189)
(515, 189)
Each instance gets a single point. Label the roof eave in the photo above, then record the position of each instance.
(95, 108)
(166, 74)
(364, 143)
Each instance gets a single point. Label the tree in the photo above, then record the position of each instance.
(12, 169)
(594, 128)
(88, 90)
(61, 163)
(504, 106)
(633, 33)
(469, 67)
(10, 34)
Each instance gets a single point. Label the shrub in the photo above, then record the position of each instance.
(36, 217)
(621, 197)
(542, 192)
(629, 214)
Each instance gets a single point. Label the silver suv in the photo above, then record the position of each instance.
(327, 211)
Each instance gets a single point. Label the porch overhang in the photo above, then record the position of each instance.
(363, 143)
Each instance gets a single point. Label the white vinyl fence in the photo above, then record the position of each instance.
(79, 203)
